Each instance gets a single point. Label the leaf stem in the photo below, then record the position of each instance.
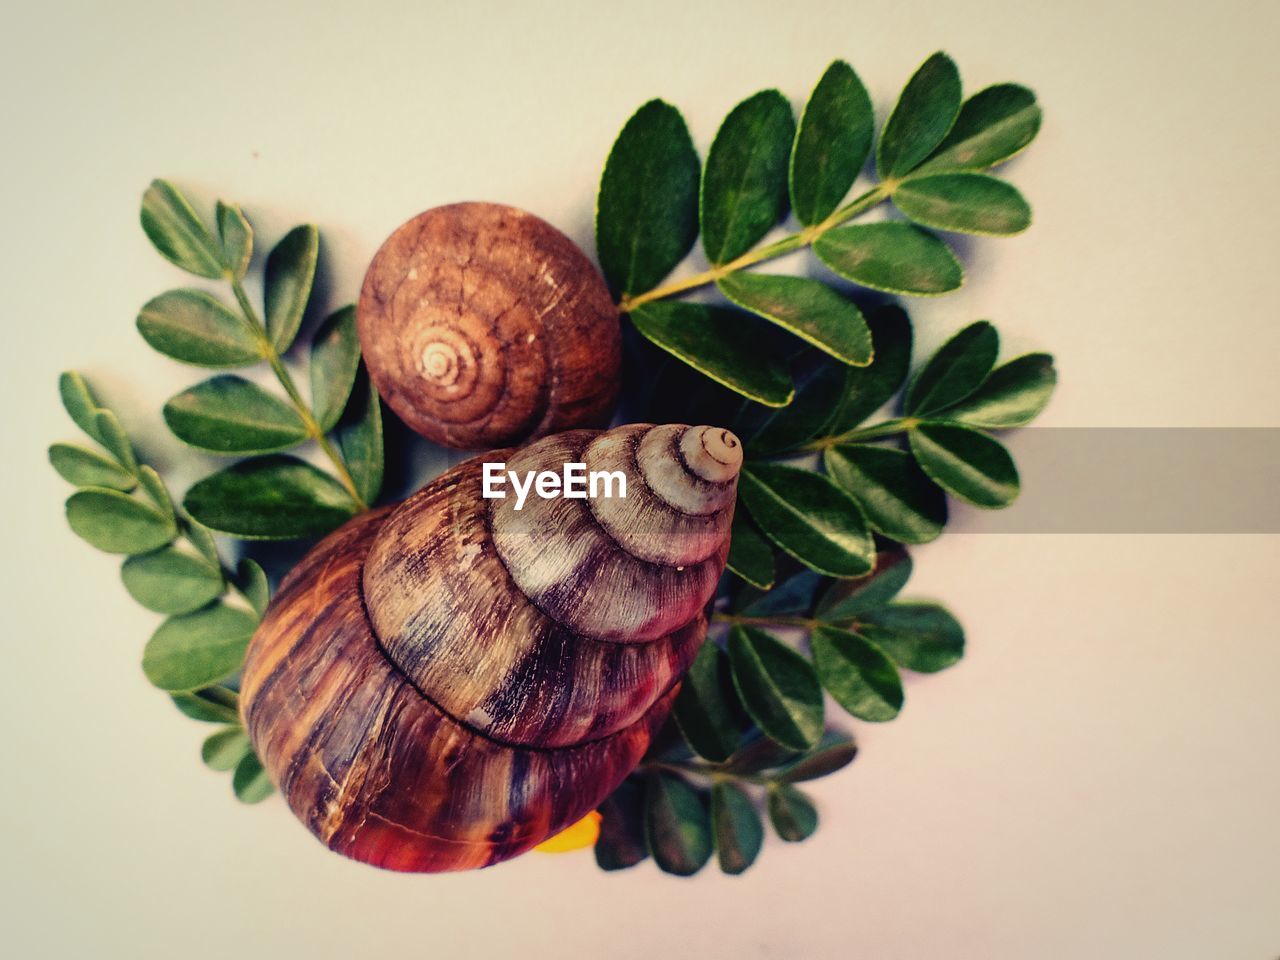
(808, 623)
(875, 432)
(706, 770)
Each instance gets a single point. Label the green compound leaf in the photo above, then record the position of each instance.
(87, 468)
(809, 517)
(270, 498)
(923, 637)
(833, 752)
(228, 414)
(291, 269)
(892, 256)
(335, 359)
(115, 439)
(707, 708)
(898, 500)
(808, 308)
(79, 402)
(193, 650)
(867, 389)
(966, 463)
(647, 208)
(360, 439)
(175, 230)
(171, 581)
(750, 555)
(831, 144)
(1012, 396)
(791, 598)
(820, 390)
(955, 371)
(251, 580)
(719, 343)
(857, 673)
(792, 814)
(193, 327)
(744, 185)
(736, 826)
(964, 203)
(777, 687)
(924, 114)
(235, 237)
(993, 125)
(117, 523)
(209, 705)
(155, 488)
(677, 825)
(846, 599)
(621, 843)
(224, 749)
(250, 781)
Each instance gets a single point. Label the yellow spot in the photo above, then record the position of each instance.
(580, 836)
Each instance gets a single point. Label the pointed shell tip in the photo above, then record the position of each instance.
(713, 453)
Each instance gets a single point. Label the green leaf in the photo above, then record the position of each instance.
(792, 814)
(791, 598)
(251, 580)
(867, 389)
(115, 439)
(719, 343)
(677, 826)
(777, 430)
(846, 599)
(736, 827)
(777, 687)
(808, 308)
(155, 488)
(760, 755)
(955, 371)
(193, 650)
(191, 326)
(171, 581)
(834, 752)
(621, 843)
(335, 358)
(892, 256)
(203, 541)
(809, 517)
(250, 781)
(175, 230)
(647, 208)
(920, 636)
(360, 439)
(116, 523)
(993, 125)
(707, 709)
(921, 119)
(964, 203)
(857, 673)
(831, 144)
(966, 463)
(87, 468)
(270, 498)
(898, 500)
(235, 237)
(209, 705)
(750, 555)
(744, 183)
(79, 402)
(228, 414)
(291, 269)
(1013, 395)
(224, 749)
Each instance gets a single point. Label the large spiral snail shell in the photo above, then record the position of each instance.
(445, 684)
(483, 326)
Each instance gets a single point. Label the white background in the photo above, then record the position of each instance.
(1098, 778)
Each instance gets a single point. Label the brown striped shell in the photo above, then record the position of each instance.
(445, 684)
(482, 326)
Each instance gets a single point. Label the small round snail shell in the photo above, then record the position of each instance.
(445, 684)
(482, 326)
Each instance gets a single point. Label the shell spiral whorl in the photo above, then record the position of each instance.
(445, 684)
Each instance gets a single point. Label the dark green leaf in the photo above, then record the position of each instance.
(117, 523)
(744, 184)
(155, 488)
(955, 371)
(115, 439)
(79, 402)
(791, 598)
(335, 358)
(924, 113)
(175, 230)
(857, 673)
(647, 209)
(920, 636)
(809, 517)
(235, 236)
(831, 144)
(965, 203)
(203, 541)
(760, 755)
(359, 437)
(677, 826)
(250, 781)
(966, 463)
(1013, 395)
(847, 599)
(892, 256)
(86, 468)
(750, 555)
(808, 308)
(898, 499)
(719, 343)
(270, 498)
(736, 827)
(819, 391)
(792, 814)
(171, 581)
(228, 414)
(867, 389)
(251, 580)
(834, 752)
(224, 749)
(191, 326)
(993, 125)
(621, 843)
(777, 687)
(209, 705)
(291, 269)
(707, 708)
(193, 650)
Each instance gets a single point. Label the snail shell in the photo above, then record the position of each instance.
(445, 684)
(482, 325)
